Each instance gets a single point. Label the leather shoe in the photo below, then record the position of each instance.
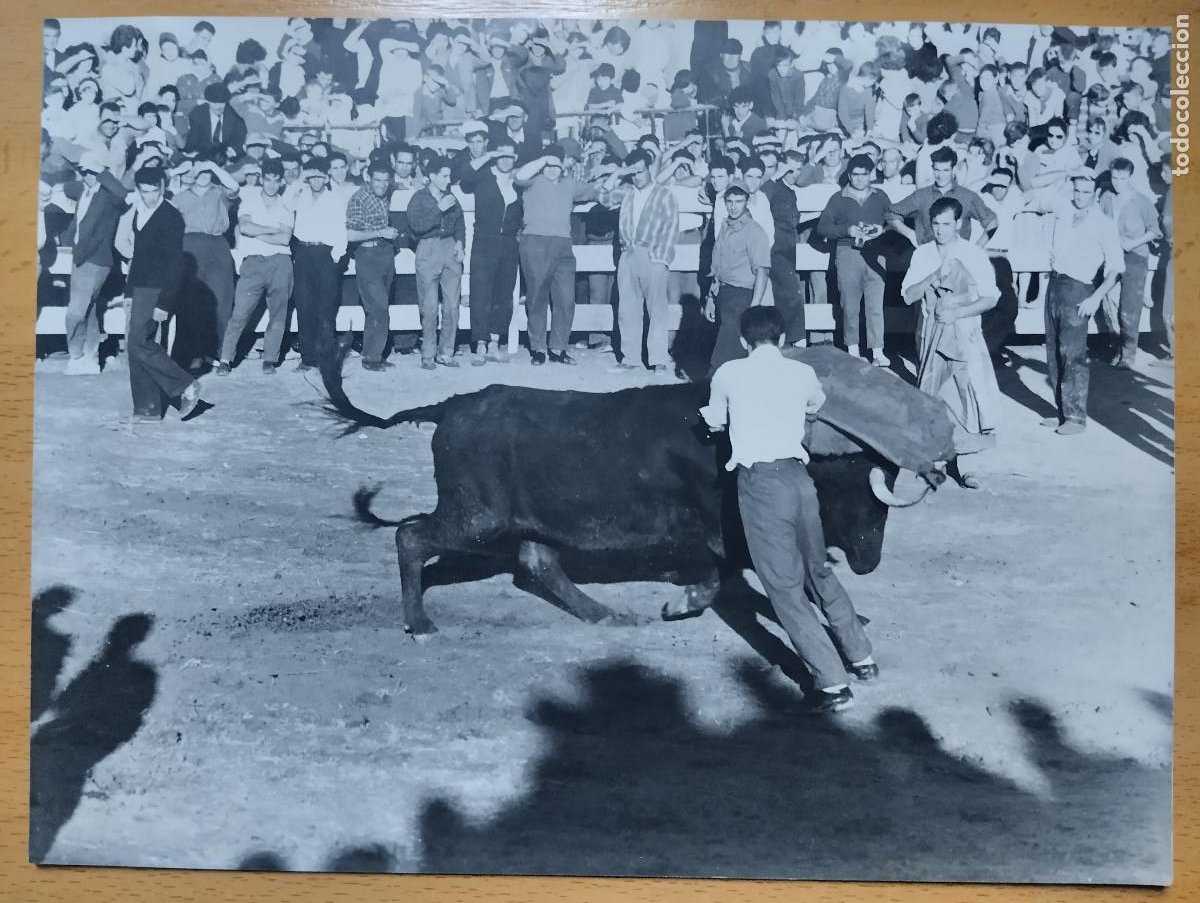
(222, 368)
(269, 368)
(189, 399)
(863, 672)
(1071, 428)
(561, 357)
(826, 702)
(537, 358)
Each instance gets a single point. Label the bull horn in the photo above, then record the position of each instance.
(880, 488)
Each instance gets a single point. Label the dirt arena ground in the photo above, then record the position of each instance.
(208, 574)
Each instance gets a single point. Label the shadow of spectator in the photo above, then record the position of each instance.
(48, 648)
(629, 784)
(1138, 408)
(92, 717)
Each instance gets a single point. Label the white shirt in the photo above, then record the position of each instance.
(321, 218)
(85, 201)
(1006, 212)
(763, 398)
(278, 214)
(927, 260)
(1080, 246)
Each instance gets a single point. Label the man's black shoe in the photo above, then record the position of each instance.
(537, 358)
(222, 369)
(561, 357)
(269, 368)
(864, 672)
(825, 702)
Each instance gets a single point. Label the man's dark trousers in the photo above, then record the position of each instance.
(494, 262)
(317, 300)
(374, 272)
(152, 373)
(732, 301)
(785, 286)
(548, 262)
(782, 520)
(1133, 289)
(1066, 346)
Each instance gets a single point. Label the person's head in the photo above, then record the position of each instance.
(203, 180)
(916, 35)
(1121, 174)
(981, 150)
(88, 92)
(291, 169)
(339, 167)
(325, 78)
(785, 61)
(432, 77)
(720, 171)
(476, 136)
(516, 118)
(752, 171)
(216, 96)
(761, 325)
(991, 37)
(438, 170)
(616, 41)
(631, 81)
(201, 67)
(168, 46)
(497, 46)
(1015, 132)
(1160, 44)
(110, 119)
(1000, 182)
(731, 53)
(51, 32)
(891, 161)
(868, 73)
(603, 76)
(553, 169)
(741, 100)
(989, 78)
(1018, 76)
(912, 105)
(90, 166)
(404, 160)
(1056, 133)
(55, 96)
(202, 34)
(859, 170)
(639, 163)
(1083, 191)
(772, 32)
(168, 98)
(379, 178)
(1140, 69)
(945, 215)
(943, 160)
(948, 90)
(1095, 132)
(126, 42)
(735, 200)
(1106, 67)
(1037, 83)
(149, 181)
(942, 126)
(769, 155)
(272, 177)
(316, 174)
(506, 157)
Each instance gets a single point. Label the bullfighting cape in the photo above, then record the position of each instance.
(872, 406)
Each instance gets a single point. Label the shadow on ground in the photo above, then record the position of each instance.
(628, 784)
(93, 716)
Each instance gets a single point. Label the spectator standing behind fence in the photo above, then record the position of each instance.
(320, 244)
(153, 241)
(854, 217)
(1137, 225)
(785, 284)
(741, 265)
(265, 223)
(495, 254)
(214, 128)
(373, 240)
(435, 220)
(208, 285)
(547, 254)
(648, 225)
(1083, 241)
(99, 202)
(916, 205)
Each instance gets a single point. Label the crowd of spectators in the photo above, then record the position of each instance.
(501, 146)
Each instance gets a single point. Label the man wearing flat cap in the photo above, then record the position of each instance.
(214, 127)
(717, 80)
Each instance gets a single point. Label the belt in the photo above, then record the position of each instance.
(1054, 274)
(373, 243)
(314, 244)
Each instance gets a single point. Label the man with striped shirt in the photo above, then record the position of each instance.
(649, 228)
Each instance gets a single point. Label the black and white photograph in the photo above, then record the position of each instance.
(606, 447)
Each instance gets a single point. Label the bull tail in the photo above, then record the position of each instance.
(363, 498)
(352, 418)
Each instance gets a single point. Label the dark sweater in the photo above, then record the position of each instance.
(492, 215)
(158, 254)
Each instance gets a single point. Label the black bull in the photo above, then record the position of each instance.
(551, 483)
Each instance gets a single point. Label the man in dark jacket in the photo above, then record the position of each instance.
(715, 82)
(99, 202)
(785, 284)
(155, 271)
(494, 250)
(214, 128)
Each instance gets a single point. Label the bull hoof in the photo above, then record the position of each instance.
(681, 612)
(420, 627)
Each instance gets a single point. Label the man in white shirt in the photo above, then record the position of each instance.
(1084, 240)
(265, 222)
(320, 234)
(759, 397)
